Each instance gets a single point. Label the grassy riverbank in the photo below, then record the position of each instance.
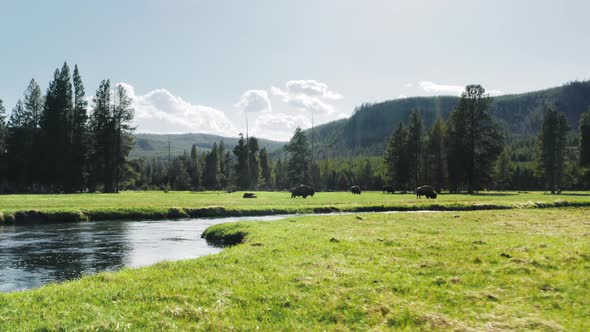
(158, 205)
(523, 269)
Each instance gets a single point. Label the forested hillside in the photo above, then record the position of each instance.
(520, 115)
(156, 146)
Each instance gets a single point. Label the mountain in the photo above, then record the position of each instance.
(156, 145)
(368, 130)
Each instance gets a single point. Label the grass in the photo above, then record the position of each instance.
(523, 269)
(157, 205)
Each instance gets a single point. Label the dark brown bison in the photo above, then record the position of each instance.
(355, 190)
(427, 191)
(249, 195)
(388, 189)
(302, 190)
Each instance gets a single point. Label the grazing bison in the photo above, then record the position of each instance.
(427, 191)
(249, 195)
(388, 189)
(355, 190)
(302, 190)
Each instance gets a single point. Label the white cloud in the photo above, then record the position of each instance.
(409, 85)
(279, 126)
(161, 112)
(254, 101)
(402, 97)
(307, 94)
(432, 87)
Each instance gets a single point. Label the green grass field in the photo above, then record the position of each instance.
(156, 204)
(523, 269)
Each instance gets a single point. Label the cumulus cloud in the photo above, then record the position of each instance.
(279, 126)
(432, 87)
(254, 101)
(161, 112)
(308, 95)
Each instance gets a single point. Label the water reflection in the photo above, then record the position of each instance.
(33, 255)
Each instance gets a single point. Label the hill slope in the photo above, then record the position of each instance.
(156, 145)
(369, 129)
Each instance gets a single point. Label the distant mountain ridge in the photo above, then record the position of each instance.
(156, 145)
(368, 130)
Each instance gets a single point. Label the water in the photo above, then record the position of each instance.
(33, 255)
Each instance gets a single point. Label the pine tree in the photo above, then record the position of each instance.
(396, 161)
(3, 135)
(436, 163)
(194, 172)
(101, 158)
(475, 141)
(504, 171)
(33, 104)
(80, 139)
(414, 149)
(241, 167)
(552, 142)
(211, 171)
(585, 139)
(265, 168)
(55, 136)
(122, 131)
(254, 162)
(298, 164)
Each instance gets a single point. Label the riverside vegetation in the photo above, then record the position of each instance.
(161, 205)
(522, 269)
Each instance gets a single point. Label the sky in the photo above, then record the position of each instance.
(207, 66)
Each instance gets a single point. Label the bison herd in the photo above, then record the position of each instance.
(303, 191)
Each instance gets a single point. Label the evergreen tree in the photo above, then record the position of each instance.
(254, 162)
(298, 164)
(80, 139)
(414, 148)
(585, 139)
(122, 131)
(3, 134)
(552, 142)
(396, 159)
(101, 158)
(436, 163)
(475, 141)
(241, 166)
(280, 175)
(211, 171)
(33, 104)
(504, 171)
(55, 136)
(265, 168)
(194, 172)
(223, 180)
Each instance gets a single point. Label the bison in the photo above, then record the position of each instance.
(427, 191)
(302, 190)
(388, 189)
(249, 195)
(355, 190)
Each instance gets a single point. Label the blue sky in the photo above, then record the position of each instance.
(198, 65)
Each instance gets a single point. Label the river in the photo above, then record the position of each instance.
(34, 255)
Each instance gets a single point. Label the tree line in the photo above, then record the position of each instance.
(56, 143)
(468, 152)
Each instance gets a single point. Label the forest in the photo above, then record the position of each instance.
(58, 142)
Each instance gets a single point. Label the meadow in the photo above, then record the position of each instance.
(158, 204)
(520, 269)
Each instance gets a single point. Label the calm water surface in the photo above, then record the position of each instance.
(33, 255)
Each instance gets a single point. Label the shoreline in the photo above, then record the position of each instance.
(99, 214)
